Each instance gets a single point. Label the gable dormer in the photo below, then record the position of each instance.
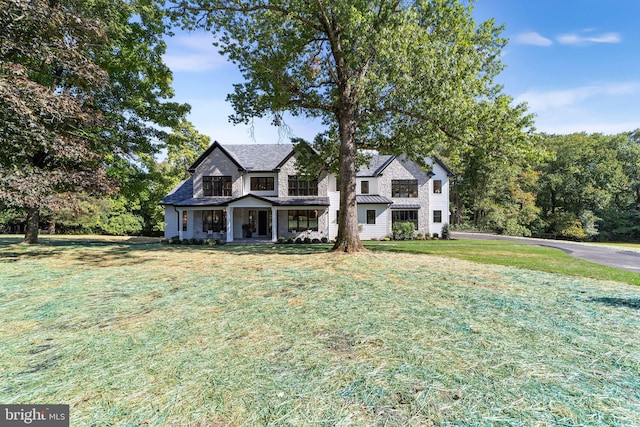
(216, 173)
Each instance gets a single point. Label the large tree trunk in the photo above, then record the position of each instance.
(33, 224)
(348, 239)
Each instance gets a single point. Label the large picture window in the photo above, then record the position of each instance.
(405, 216)
(262, 183)
(216, 185)
(303, 220)
(214, 220)
(302, 186)
(404, 188)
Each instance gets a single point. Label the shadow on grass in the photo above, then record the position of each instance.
(132, 251)
(619, 302)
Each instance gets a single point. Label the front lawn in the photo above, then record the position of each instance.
(150, 335)
(508, 253)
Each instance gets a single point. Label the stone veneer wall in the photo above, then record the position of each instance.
(401, 168)
(289, 168)
(217, 164)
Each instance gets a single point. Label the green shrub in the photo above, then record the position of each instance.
(324, 240)
(290, 240)
(435, 236)
(281, 240)
(299, 240)
(307, 240)
(315, 240)
(446, 234)
(403, 231)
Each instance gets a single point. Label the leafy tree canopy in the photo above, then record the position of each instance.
(83, 93)
(398, 77)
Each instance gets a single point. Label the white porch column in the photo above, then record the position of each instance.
(274, 224)
(180, 224)
(229, 224)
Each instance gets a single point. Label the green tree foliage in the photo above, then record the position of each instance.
(583, 180)
(48, 112)
(398, 77)
(82, 100)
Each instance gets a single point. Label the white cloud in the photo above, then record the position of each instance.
(576, 39)
(588, 126)
(532, 38)
(599, 108)
(193, 53)
(564, 98)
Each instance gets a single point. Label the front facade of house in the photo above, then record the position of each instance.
(237, 192)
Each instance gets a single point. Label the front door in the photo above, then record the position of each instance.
(262, 223)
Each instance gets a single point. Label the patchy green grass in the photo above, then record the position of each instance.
(142, 334)
(507, 253)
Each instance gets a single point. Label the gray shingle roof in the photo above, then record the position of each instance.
(182, 191)
(376, 165)
(259, 157)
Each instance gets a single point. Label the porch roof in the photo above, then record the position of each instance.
(225, 201)
(372, 199)
(406, 206)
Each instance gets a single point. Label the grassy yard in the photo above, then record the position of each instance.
(130, 333)
(513, 254)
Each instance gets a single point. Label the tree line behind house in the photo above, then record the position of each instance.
(581, 187)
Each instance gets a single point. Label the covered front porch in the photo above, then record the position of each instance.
(252, 219)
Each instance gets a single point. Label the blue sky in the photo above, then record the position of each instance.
(575, 62)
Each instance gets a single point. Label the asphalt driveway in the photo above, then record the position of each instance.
(612, 257)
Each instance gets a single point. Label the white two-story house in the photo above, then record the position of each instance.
(254, 191)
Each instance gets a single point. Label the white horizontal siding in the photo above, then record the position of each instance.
(373, 231)
(170, 222)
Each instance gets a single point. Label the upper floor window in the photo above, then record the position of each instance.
(437, 186)
(262, 183)
(364, 187)
(216, 185)
(404, 188)
(301, 186)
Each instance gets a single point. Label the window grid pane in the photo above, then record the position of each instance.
(299, 186)
(405, 216)
(407, 188)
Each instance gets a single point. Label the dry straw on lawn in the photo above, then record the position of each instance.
(292, 335)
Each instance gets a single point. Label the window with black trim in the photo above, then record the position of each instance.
(404, 188)
(302, 186)
(405, 216)
(216, 185)
(184, 220)
(371, 216)
(437, 186)
(364, 187)
(214, 220)
(437, 216)
(262, 183)
(303, 220)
